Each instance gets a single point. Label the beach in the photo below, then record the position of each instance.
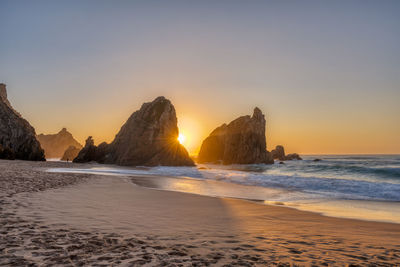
(49, 218)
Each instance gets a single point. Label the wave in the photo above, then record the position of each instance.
(360, 171)
(312, 186)
(356, 187)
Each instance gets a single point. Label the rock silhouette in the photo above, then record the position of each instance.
(70, 153)
(17, 136)
(279, 154)
(148, 138)
(293, 156)
(88, 152)
(242, 141)
(55, 145)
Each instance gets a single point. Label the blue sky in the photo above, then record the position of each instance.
(326, 73)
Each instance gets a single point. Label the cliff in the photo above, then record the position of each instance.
(17, 136)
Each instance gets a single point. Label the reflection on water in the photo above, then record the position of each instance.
(366, 187)
(208, 188)
(355, 209)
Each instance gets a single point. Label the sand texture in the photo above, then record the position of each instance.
(49, 219)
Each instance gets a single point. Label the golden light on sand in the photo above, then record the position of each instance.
(181, 139)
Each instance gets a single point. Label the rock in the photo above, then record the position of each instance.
(148, 138)
(213, 147)
(242, 141)
(55, 145)
(6, 153)
(88, 152)
(279, 154)
(4, 98)
(316, 160)
(293, 156)
(70, 153)
(17, 136)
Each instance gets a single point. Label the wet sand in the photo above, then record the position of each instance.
(81, 219)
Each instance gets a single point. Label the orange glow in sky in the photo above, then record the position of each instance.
(326, 85)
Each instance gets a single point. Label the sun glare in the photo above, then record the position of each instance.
(181, 138)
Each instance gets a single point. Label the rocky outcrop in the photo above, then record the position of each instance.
(148, 138)
(55, 145)
(279, 154)
(17, 136)
(242, 141)
(71, 153)
(88, 152)
(293, 156)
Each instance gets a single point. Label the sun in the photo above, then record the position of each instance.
(181, 138)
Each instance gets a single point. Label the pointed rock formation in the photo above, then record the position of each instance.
(54, 145)
(71, 153)
(279, 154)
(242, 141)
(17, 136)
(88, 152)
(148, 138)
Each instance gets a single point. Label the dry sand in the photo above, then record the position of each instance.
(80, 219)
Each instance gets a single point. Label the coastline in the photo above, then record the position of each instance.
(127, 225)
(243, 182)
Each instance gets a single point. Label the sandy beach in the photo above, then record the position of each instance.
(82, 219)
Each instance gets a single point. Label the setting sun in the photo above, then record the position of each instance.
(181, 139)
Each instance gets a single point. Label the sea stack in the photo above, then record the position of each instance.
(55, 145)
(279, 154)
(242, 141)
(148, 138)
(17, 136)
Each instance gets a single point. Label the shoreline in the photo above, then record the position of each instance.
(297, 206)
(98, 219)
(366, 210)
(152, 182)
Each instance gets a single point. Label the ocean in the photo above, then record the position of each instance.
(352, 186)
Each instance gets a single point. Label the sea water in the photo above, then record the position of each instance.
(353, 186)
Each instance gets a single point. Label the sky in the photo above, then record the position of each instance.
(325, 73)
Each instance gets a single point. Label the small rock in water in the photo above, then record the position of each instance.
(279, 154)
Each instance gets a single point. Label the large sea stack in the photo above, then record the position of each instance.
(148, 138)
(17, 136)
(242, 141)
(55, 145)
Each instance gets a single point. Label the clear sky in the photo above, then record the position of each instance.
(325, 73)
